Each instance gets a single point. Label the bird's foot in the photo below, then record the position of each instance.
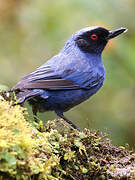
(60, 114)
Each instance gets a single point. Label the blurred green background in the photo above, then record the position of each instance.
(32, 31)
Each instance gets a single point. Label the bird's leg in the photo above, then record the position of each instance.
(60, 114)
(34, 110)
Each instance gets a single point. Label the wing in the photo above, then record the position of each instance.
(45, 77)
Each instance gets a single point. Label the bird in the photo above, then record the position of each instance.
(70, 77)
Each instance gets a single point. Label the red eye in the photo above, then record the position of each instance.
(94, 36)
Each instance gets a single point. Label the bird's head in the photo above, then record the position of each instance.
(94, 39)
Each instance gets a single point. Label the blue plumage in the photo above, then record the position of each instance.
(70, 77)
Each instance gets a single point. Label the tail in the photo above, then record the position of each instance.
(26, 95)
(19, 96)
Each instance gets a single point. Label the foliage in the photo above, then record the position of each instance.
(24, 151)
(55, 151)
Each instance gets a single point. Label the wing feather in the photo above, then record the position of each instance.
(46, 78)
(52, 84)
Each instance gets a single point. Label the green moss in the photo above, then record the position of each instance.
(56, 151)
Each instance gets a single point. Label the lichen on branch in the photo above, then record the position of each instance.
(55, 151)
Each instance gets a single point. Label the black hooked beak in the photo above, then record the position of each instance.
(116, 32)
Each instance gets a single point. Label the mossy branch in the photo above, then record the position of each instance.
(57, 152)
